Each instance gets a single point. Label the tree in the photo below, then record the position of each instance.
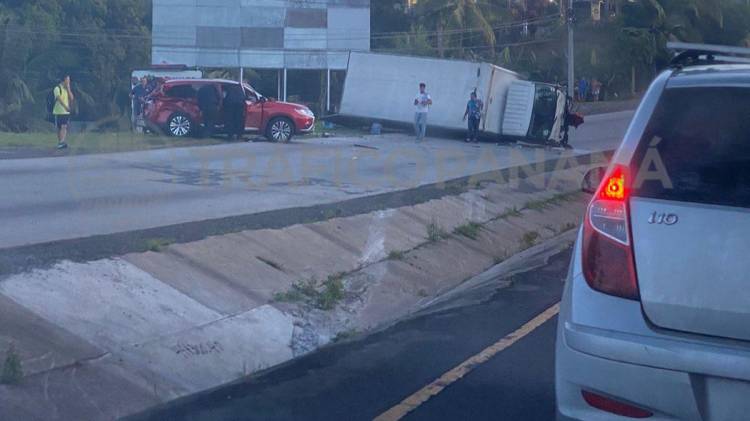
(456, 23)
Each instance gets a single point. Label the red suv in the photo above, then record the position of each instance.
(173, 107)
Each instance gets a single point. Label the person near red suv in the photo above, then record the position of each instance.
(174, 107)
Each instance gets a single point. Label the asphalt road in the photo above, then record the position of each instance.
(365, 377)
(69, 197)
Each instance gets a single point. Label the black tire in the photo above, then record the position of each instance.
(180, 125)
(280, 129)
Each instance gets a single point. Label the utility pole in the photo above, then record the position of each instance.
(571, 56)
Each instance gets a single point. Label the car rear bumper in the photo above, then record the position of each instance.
(605, 345)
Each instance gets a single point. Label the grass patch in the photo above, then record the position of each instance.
(158, 244)
(324, 296)
(332, 293)
(567, 227)
(344, 335)
(12, 367)
(300, 291)
(271, 263)
(529, 239)
(542, 204)
(396, 255)
(469, 230)
(435, 232)
(537, 205)
(511, 212)
(97, 142)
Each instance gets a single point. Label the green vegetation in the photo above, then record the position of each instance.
(158, 244)
(469, 230)
(529, 239)
(542, 204)
(567, 227)
(96, 142)
(435, 232)
(396, 255)
(300, 291)
(98, 42)
(332, 293)
(623, 49)
(324, 296)
(344, 335)
(12, 367)
(510, 212)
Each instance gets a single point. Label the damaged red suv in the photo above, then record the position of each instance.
(173, 108)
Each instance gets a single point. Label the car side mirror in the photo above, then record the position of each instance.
(593, 179)
(263, 99)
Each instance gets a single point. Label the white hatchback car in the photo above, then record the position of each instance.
(655, 315)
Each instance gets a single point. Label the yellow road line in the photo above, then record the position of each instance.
(424, 394)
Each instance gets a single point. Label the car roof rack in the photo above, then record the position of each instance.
(689, 54)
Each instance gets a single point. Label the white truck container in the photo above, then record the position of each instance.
(382, 87)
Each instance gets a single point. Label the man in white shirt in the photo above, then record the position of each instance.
(422, 103)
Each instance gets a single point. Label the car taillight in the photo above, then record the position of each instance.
(608, 263)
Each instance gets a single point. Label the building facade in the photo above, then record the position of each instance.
(260, 34)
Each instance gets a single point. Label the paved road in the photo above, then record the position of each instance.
(49, 199)
(365, 377)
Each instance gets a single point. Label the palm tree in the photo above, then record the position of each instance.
(460, 18)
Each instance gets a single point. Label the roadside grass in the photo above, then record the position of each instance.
(469, 230)
(97, 142)
(332, 293)
(567, 227)
(323, 296)
(12, 368)
(543, 204)
(529, 239)
(435, 232)
(510, 212)
(396, 255)
(158, 244)
(344, 335)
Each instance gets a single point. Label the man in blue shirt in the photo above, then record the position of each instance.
(474, 114)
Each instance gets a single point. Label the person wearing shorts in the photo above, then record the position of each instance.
(61, 110)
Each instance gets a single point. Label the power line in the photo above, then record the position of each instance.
(364, 34)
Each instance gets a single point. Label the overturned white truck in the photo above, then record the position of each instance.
(382, 87)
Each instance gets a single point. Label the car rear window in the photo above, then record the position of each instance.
(696, 148)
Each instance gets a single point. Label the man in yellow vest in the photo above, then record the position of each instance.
(63, 100)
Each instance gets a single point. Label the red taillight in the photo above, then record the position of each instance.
(614, 407)
(608, 264)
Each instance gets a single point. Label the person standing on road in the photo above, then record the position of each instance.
(583, 89)
(208, 102)
(61, 111)
(422, 103)
(234, 111)
(138, 95)
(474, 114)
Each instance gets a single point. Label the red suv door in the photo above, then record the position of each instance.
(253, 111)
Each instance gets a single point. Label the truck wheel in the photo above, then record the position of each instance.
(179, 125)
(280, 129)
